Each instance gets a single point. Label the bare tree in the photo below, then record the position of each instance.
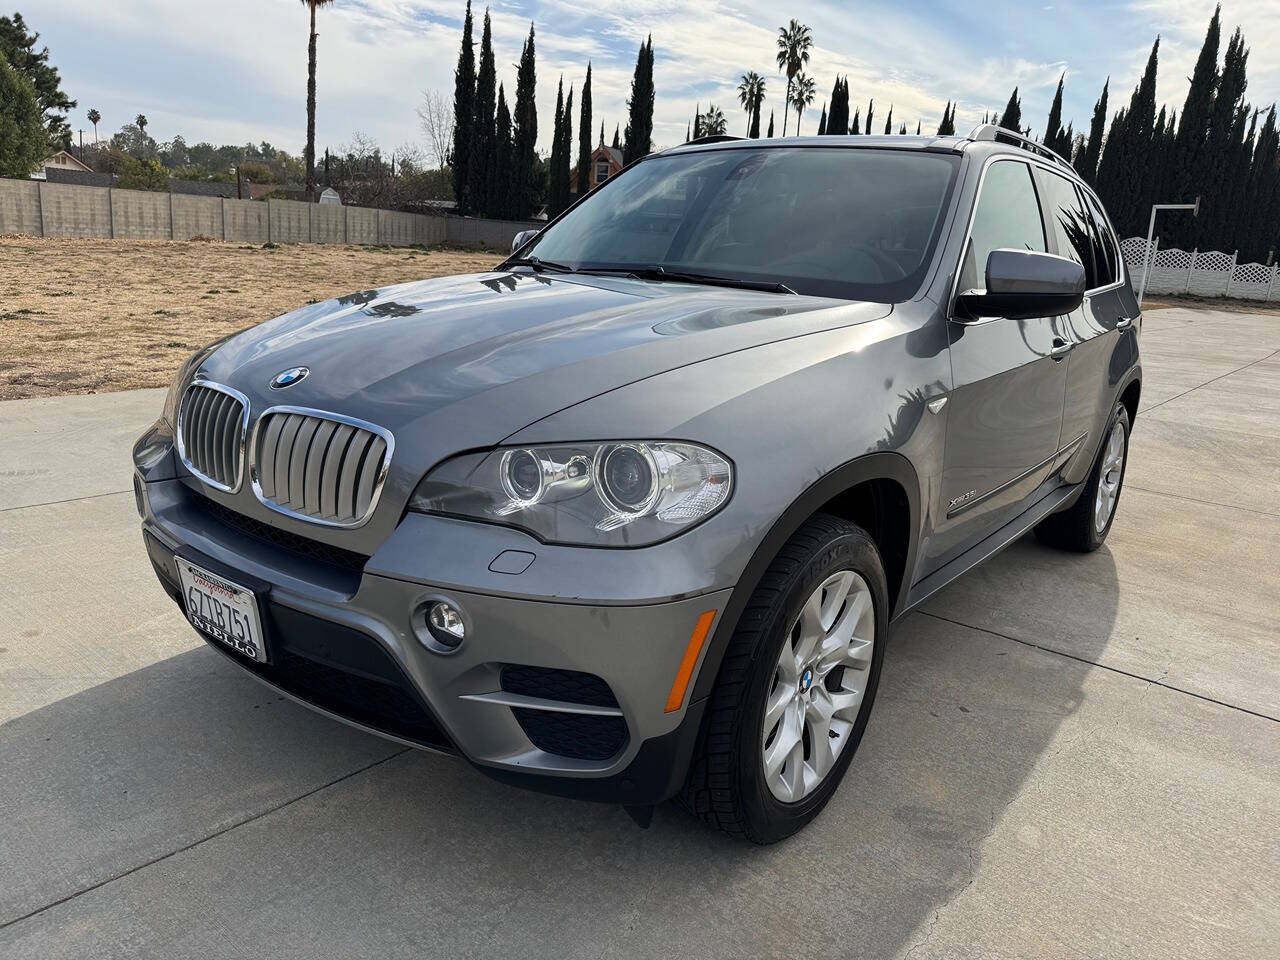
(436, 116)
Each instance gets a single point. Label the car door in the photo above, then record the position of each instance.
(1004, 412)
(1080, 231)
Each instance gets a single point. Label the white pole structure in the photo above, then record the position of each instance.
(1151, 232)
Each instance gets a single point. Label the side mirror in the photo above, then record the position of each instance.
(521, 238)
(1023, 284)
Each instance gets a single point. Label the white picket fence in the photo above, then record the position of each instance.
(1202, 273)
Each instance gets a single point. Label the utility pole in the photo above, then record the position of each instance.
(1151, 232)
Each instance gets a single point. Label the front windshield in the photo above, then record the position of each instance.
(856, 223)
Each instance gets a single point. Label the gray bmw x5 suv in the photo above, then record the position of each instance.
(631, 516)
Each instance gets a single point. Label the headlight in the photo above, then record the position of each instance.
(613, 494)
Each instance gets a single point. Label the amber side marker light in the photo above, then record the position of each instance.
(691, 652)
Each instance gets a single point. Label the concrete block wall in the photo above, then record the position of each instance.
(141, 214)
(244, 221)
(73, 210)
(328, 223)
(20, 207)
(68, 210)
(290, 221)
(362, 225)
(196, 217)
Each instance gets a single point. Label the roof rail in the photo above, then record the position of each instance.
(992, 133)
(714, 138)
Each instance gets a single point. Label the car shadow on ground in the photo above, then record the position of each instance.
(415, 851)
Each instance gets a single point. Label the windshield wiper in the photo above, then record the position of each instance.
(538, 265)
(683, 276)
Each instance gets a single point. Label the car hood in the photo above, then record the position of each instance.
(463, 362)
(501, 350)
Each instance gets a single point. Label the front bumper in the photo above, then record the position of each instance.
(342, 641)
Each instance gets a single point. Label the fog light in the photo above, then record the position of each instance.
(445, 623)
(439, 625)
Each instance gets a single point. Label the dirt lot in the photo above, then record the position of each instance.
(88, 316)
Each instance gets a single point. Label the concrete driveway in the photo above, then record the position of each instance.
(1069, 757)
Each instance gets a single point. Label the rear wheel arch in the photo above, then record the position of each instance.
(1130, 396)
(879, 492)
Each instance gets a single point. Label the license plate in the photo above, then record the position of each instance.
(222, 609)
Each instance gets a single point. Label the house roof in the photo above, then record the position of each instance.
(65, 160)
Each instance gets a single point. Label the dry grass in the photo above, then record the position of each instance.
(88, 316)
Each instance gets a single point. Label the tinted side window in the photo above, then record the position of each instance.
(1104, 250)
(1070, 223)
(1007, 216)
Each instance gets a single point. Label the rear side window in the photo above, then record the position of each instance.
(1070, 223)
(1104, 248)
(1007, 216)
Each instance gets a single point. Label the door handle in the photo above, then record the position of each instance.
(1060, 348)
(1124, 323)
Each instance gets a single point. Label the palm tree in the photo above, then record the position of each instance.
(141, 121)
(713, 122)
(309, 154)
(94, 118)
(794, 42)
(751, 96)
(802, 94)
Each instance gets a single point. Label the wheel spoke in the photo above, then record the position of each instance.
(776, 706)
(835, 592)
(785, 741)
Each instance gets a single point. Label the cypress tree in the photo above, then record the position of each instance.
(1011, 119)
(1124, 172)
(947, 127)
(697, 122)
(838, 115)
(584, 136)
(481, 162)
(1087, 166)
(770, 133)
(617, 136)
(1190, 164)
(557, 192)
(464, 96)
(525, 132)
(1053, 126)
(822, 122)
(888, 121)
(503, 166)
(871, 107)
(1222, 140)
(1262, 226)
(853, 128)
(640, 116)
(753, 129)
(566, 149)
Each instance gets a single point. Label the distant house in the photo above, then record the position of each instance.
(606, 162)
(61, 161)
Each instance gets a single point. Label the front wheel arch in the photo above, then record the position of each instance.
(884, 474)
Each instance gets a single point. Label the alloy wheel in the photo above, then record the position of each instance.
(818, 686)
(1109, 482)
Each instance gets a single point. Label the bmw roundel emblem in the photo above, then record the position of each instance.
(287, 378)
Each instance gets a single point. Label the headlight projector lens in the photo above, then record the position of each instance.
(628, 478)
(522, 476)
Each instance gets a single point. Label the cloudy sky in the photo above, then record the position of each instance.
(235, 71)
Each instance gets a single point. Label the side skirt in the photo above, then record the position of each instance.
(1055, 500)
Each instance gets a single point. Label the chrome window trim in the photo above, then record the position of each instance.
(1033, 161)
(378, 484)
(244, 433)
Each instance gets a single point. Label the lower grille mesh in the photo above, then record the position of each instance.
(579, 736)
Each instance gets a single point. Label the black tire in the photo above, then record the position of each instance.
(726, 785)
(1075, 528)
